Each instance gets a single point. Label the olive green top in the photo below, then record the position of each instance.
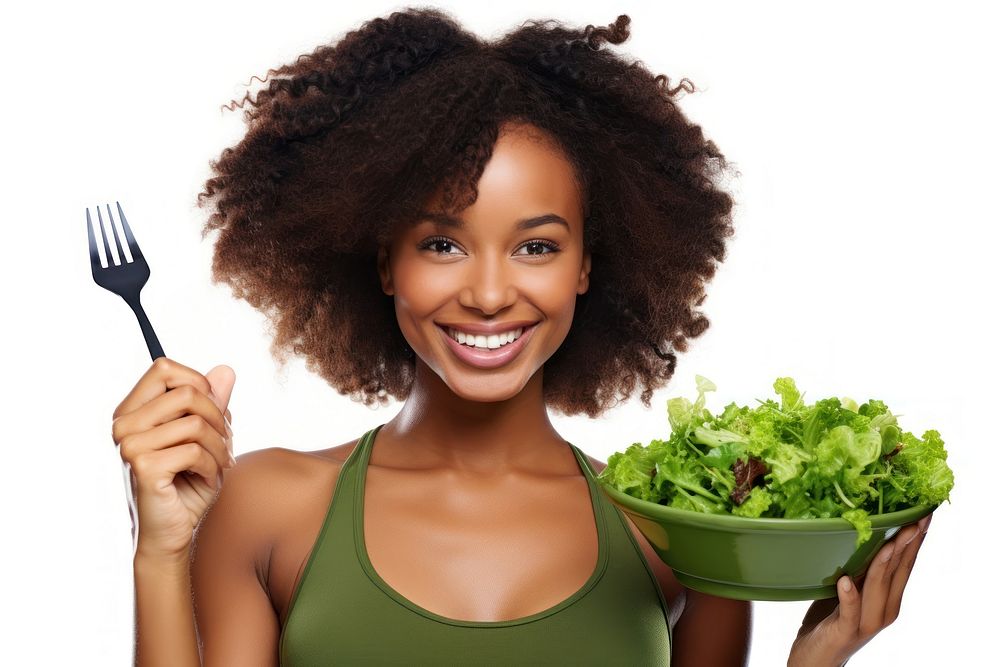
(343, 612)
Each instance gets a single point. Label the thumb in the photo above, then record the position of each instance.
(849, 608)
(221, 378)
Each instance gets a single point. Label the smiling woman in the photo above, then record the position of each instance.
(485, 230)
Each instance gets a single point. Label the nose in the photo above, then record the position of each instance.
(487, 285)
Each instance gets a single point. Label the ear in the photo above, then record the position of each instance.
(383, 271)
(584, 274)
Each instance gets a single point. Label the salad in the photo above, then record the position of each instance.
(789, 460)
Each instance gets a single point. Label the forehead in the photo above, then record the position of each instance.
(527, 175)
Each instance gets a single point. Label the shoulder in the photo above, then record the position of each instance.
(269, 485)
(267, 469)
(673, 591)
(267, 475)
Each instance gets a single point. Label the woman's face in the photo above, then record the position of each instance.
(513, 261)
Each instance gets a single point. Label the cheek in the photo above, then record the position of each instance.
(419, 291)
(419, 295)
(411, 307)
(553, 292)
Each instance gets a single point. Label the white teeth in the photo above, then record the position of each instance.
(491, 342)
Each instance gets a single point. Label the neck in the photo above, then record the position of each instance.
(438, 428)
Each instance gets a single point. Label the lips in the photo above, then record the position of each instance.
(485, 358)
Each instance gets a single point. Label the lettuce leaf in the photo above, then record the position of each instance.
(832, 458)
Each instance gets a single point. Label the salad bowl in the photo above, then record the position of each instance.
(759, 558)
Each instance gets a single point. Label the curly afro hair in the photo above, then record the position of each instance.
(353, 138)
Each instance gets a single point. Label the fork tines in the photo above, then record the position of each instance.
(95, 259)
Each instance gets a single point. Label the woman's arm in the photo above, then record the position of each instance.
(164, 618)
(236, 621)
(712, 631)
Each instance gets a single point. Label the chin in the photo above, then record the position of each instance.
(486, 390)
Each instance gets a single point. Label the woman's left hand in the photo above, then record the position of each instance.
(835, 628)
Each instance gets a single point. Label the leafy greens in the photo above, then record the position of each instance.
(789, 460)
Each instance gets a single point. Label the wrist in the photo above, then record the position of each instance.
(163, 564)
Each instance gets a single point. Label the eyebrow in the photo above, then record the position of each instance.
(526, 223)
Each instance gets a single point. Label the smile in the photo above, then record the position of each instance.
(491, 342)
(485, 352)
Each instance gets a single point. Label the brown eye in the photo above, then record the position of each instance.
(539, 247)
(435, 245)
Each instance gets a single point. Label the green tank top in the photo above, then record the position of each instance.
(343, 612)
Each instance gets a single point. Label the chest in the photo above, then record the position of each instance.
(488, 549)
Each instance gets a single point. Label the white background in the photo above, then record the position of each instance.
(864, 265)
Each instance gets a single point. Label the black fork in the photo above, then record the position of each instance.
(125, 279)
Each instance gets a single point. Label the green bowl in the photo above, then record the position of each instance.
(759, 559)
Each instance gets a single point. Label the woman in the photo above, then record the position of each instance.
(484, 230)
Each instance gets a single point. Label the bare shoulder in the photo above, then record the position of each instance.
(673, 591)
(275, 483)
(264, 489)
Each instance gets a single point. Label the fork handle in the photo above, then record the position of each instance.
(152, 342)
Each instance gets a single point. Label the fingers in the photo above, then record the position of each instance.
(876, 589)
(179, 433)
(865, 610)
(158, 467)
(172, 407)
(902, 572)
(164, 374)
(878, 582)
(849, 607)
(176, 403)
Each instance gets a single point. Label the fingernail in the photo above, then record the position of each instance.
(887, 552)
(229, 429)
(232, 461)
(845, 584)
(218, 482)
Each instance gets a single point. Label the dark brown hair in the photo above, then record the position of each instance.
(353, 138)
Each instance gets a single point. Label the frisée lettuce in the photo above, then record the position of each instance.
(785, 459)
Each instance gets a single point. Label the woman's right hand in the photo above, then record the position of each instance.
(173, 433)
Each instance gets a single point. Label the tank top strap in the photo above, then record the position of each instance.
(584, 463)
(360, 451)
(621, 536)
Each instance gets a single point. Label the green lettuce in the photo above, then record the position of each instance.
(793, 460)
